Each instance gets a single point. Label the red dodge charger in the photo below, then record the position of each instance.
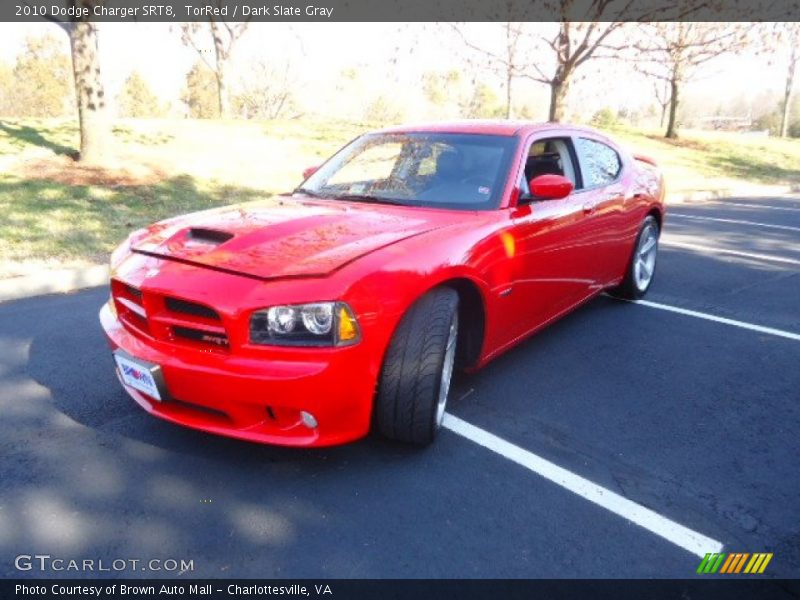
(308, 318)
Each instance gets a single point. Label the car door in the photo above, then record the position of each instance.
(604, 197)
(553, 271)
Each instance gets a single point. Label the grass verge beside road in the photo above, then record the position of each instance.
(57, 213)
(49, 224)
(714, 160)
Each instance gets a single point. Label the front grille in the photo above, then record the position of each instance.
(191, 308)
(128, 302)
(208, 411)
(198, 335)
(195, 323)
(168, 318)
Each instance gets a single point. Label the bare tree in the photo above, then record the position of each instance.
(662, 88)
(266, 91)
(95, 130)
(673, 52)
(552, 54)
(572, 45)
(224, 36)
(509, 62)
(566, 46)
(789, 33)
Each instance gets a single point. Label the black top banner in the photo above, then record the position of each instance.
(288, 11)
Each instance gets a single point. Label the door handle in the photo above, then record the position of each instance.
(588, 207)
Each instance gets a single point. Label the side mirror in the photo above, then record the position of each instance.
(309, 172)
(550, 187)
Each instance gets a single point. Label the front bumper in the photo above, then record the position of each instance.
(257, 399)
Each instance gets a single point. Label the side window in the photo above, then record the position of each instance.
(550, 156)
(600, 163)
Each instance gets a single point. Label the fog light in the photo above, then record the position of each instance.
(308, 419)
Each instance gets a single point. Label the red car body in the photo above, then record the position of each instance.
(516, 268)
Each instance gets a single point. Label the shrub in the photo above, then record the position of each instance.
(137, 99)
(605, 118)
(200, 93)
(382, 110)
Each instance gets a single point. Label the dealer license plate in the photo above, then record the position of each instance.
(138, 375)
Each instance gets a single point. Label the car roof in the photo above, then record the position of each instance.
(507, 127)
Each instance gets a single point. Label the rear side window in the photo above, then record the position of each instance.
(600, 163)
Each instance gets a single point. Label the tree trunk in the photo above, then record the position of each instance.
(222, 92)
(672, 131)
(787, 95)
(663, 115)
(509, 78)
(94, 126)
(559, 88)
(221, 71)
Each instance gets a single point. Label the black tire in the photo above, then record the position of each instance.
(407, 400)
(629, 289)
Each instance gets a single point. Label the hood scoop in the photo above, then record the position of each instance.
(208, 236)
(266, 240)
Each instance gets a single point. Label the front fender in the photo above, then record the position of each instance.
(391, 280)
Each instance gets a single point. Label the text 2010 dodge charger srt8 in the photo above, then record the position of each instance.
(307, 318)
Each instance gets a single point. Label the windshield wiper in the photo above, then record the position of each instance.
(350, 197)
(307, 192)
(368, 198)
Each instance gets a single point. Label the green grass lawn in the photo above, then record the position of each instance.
(705, 160)
(57, 214)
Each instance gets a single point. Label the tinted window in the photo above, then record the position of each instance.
(550, 156)
(376, 163)
(600, 163)
(448, 170)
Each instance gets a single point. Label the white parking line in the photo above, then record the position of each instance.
(737, 221)
(673, 532)
(767, 206)
(709, 317)
(666, 241)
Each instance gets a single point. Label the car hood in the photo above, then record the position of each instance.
(285, 237)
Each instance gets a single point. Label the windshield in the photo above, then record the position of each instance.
(443, 170)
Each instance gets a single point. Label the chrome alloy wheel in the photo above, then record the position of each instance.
(447, 369)
(645, 259)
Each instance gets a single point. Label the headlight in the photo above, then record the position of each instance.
(315, 324)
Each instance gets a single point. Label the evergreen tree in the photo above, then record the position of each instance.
(483, 104)
(200, 93)
(6, 87)
(41, 83)
(137, 99)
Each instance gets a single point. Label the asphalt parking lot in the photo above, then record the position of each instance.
(624, 441)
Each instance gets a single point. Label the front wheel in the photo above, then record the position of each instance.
(642, 265)
(415, 378)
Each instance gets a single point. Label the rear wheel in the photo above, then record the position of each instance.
(642, 265)
(416, 374)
